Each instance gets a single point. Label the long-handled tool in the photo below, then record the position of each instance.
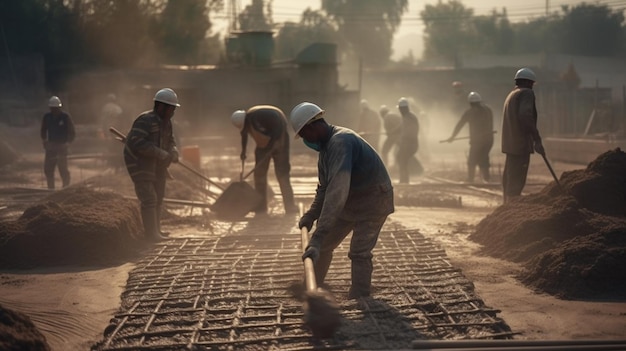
(122, 138)
(321, 313)
(463, 137)
(545, 159)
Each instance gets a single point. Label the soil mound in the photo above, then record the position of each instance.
(77, 225)
(572, 238)
(17, 332)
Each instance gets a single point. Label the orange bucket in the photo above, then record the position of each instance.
(191, 155)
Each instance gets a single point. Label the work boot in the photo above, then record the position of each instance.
(159, 215)
(150, 224)
(361, 278)
(50, 183)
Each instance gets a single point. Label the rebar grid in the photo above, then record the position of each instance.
(239, 291)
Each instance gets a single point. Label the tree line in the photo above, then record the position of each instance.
(81, 34)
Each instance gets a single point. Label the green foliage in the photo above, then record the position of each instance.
(253, 17)
(367, 26)
(448, 29)
(314, 27)
(182, 29)
(453, 31)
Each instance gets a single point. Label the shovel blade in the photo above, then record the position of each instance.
(236, 201)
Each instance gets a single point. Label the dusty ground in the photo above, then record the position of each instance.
(72, 305)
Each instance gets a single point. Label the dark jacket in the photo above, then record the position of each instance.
(519, 120)
(147, 148)
(57, 129)
(353, 182)
(480, 120)
(266, 124)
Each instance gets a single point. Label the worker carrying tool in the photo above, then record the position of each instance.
(369, 125)
(354, 194)
(148, 152)
(393, 129)
(57, 132)
(520, 136)
(480, 119)
(268, 127)
(409, 144)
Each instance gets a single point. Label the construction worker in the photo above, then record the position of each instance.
(268, 127)
(520, 135)
(111, 116)
(408, 143)
(369, 125)
(57, 132)
(393, 129)
(354, 194)
(148, 152)
(480, 120)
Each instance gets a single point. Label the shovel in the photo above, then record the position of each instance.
(238, 199)
(545, 159)
(321, 313)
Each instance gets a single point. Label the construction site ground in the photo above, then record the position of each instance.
(217, 284)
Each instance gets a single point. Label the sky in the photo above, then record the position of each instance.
(409, 35)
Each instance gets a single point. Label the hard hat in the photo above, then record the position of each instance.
(457, 84)
(383, 110)
(238, 117)
(167, 96)
(403, 102)
(54, 102)
(364, 104)
(302, 114)
(526, 73)
(474, 97)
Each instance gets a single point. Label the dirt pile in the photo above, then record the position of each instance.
(17, 332)
(571, 239)
(77, 225)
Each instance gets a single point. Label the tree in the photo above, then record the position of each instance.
(182, 30)
(367, 26)
(253, 17)
(448, 30)
(314, 27)
(592, 30)
(493, 34)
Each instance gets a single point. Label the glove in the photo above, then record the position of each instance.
(539, 147)
(165, 157)
(174, 156)
(313, 249)
(306, 221)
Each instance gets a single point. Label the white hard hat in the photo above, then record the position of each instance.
(403, 102)
(238, 117)
(526, 73)
(383, 110)
(54, 102)
(302, 114)
(364, 103)
(167, 96)
(474, 97)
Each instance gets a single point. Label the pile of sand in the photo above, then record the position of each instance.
(76, 225)
(571, 239)
(17, 332)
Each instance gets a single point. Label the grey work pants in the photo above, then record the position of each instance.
(514, 175)
(56, 156)
(364, 237)
(280, 154)
(150, 195)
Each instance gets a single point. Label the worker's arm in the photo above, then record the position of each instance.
(71, 131)
(527, 115)
(44, 129)
(460, 124)
(244, 141)
(137, 140)
(338, 175)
